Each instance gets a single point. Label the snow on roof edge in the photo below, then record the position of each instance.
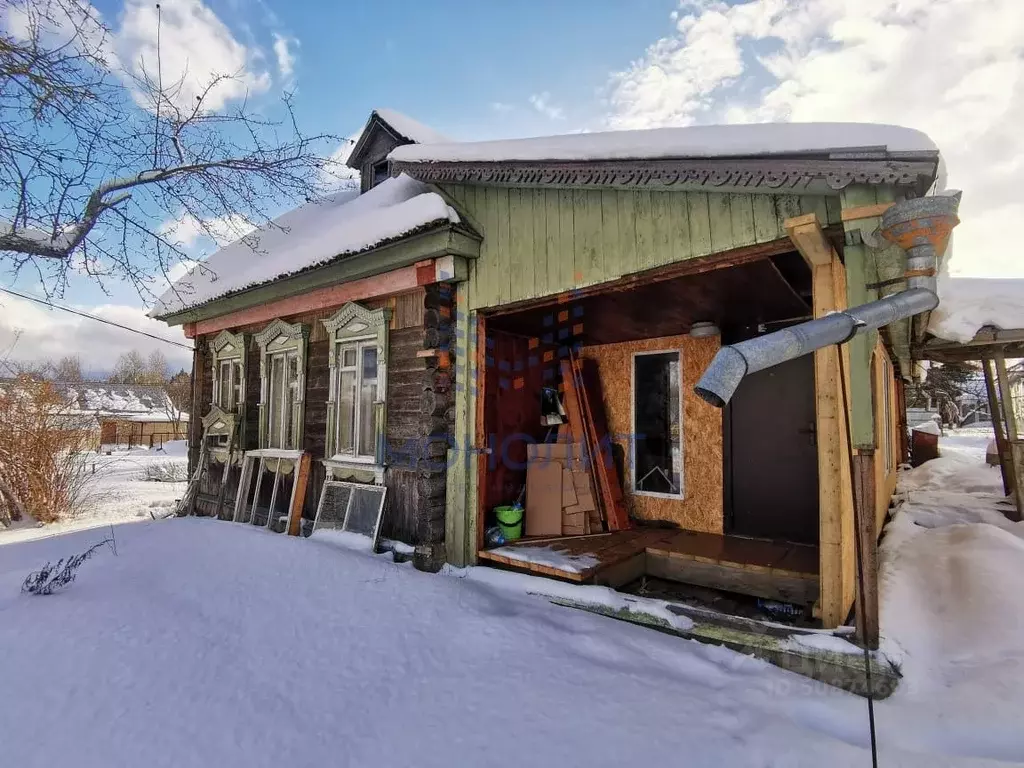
(702, 141)
(309, 236)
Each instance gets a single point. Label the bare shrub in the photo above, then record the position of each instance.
(41, 437)
(55, 576)
(166, 472)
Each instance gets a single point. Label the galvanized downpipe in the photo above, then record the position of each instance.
(919, 226)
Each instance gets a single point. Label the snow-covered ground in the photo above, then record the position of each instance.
(208, 643)
(120, 490)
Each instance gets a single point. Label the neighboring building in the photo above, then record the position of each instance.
(403, 336)
(135, 415)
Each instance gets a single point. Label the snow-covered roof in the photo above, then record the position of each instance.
(308, 236)
(116, 399)
(702, 141)
(411, 129)
(967, 304)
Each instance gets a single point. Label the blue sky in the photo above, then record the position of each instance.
(482, 70)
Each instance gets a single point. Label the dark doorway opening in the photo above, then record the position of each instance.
(771, 457)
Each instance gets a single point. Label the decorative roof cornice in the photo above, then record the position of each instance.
(752, 175)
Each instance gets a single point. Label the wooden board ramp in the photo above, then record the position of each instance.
(775, 570)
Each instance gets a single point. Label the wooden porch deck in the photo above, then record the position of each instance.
(771, 569)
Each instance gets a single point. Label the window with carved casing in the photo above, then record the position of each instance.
(356, 411)
(228, 360)
(282, 384)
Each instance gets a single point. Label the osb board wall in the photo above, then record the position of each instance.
(701, 508)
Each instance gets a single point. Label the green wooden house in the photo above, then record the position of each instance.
(476, 267)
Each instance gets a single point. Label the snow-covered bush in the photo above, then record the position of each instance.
(41, 472)
(166, 471)
(54, 576)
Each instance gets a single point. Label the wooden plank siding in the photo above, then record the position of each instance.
(539, 242)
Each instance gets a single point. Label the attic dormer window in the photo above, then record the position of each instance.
(380, 172)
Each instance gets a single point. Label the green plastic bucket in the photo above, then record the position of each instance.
(510, 520)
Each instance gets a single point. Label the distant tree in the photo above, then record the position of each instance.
(179, 397)
(157, 368)
(68, 368)
(97, 153)
(953, 389)
(130, 368)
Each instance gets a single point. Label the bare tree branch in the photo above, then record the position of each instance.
(98, 161)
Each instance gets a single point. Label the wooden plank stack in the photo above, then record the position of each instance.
(572, 486)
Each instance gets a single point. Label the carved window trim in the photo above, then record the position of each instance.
(354, 323)
(282, 339)
(228, 347)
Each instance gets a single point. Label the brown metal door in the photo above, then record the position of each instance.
(771, 455)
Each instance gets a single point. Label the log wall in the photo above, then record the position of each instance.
(419, 415)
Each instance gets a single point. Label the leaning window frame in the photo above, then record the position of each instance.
(358, 325)
(282, 339)
(632, 423)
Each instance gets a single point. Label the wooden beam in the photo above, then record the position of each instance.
(864, 499)
(865, 211)
(1006, 396)
(996, 417)
(1014, 458)
(396, 281)
(806, 233)
(299, 495)
(835, 496)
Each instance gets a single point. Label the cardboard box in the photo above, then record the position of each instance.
(543, 498)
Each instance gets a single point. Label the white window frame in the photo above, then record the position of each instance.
(288, 341)
(358, 325)
(358, 344)
(229, 348)
(682, 427)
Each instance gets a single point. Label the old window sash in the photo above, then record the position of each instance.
(227, 360)
(282, 384)
(356, 410)
(657, 422)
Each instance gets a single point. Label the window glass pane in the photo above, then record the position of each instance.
(367, 397)
(346, 411)
(367, 436)
(348, 357)
(277, 393)
(369, 363)
(236, 381)
(657, 416)
(291, 420)
(224, 393)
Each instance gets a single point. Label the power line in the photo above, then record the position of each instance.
(86, 315)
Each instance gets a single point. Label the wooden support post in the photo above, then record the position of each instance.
(867, 532)
(299, 495)
(460, 496)
(901, 420)
(996, 416)
(1015, 456)
(1009, 417)
(835, 495)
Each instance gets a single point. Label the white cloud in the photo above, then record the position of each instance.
(187, 231)
(195, 47)
(335, 174)
(542, 103)
(34, 333)
(952, 68)
(285, 55)
(501, 107)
